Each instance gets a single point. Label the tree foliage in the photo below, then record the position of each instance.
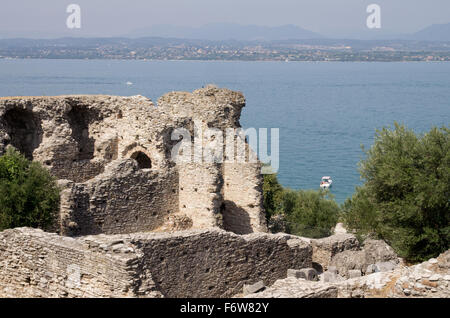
(310, 213)
(272, 195)
(29, 195)
(306, 213)
(405, 197)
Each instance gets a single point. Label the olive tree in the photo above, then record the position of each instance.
(405, 197)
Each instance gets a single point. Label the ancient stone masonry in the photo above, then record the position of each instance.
(370, 270)
(201, 263)
(373, 255)
(113, 158)
(195, 263)
(325, 249)
(133, 222)
(429, 279)
(39, 264)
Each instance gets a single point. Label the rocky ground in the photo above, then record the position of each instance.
(429, 279)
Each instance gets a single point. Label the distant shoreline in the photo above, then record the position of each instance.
(160, 49)
(220, 60)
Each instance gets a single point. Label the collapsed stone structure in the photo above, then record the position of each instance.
(430, 279)
(113, 157)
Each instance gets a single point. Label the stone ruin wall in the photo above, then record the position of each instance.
(123, 199)
(200, 194)
(239, 186)
(39, 264)
(234, 189)
(112, 158)
(196, 263)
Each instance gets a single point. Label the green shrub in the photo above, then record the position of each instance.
(310, 213)
(272, 195)
(29, 195)
(359, 213)
(405, 198)
(306, 213)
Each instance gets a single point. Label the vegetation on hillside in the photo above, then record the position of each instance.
(29, 195)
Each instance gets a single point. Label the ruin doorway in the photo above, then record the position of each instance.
(24, 129)
(79, 120)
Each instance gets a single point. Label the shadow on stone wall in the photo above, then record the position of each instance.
(24, 129)
(79, 120)
(235, 218)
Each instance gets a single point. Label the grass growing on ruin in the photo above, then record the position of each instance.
(29, 195)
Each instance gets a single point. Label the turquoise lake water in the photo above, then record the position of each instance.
(325, 111)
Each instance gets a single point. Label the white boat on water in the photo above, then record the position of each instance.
(326, 182)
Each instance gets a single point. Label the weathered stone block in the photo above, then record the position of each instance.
(296, 273)
(349, 260)
(253, 288)
(377, 251)
(375, 256)
(304, 273)
(385, 266)
(353, 273)
(371, 269)
(331, 277)
(326, 248)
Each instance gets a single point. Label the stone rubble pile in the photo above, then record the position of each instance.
(429, 279)
(374, 256)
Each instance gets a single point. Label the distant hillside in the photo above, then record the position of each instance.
(228, 31)
(435, 32)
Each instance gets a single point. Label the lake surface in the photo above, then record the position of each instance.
(325, 111)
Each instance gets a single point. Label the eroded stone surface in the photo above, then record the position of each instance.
(374, 256)
(326, 248)
(254, 288)
(196, 263)
(428, 279)
(113, 158)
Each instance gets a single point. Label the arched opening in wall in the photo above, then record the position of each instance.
(144, 162)
(79, 119)
(24, 129)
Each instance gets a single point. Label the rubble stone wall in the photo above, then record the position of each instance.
(123, 199)
(217, 263)
(196, 263)
(325, 249)
(430, 279)
(38, 264)
(89, 142)
(200, 194)
(242, 193)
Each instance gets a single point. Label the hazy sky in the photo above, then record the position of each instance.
(119, 17)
